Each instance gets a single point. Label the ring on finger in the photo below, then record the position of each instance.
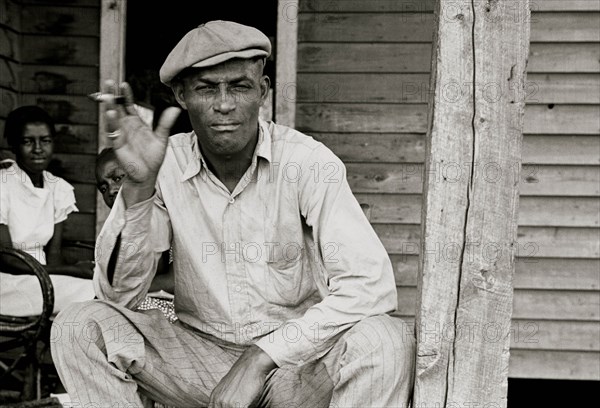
(113, 135)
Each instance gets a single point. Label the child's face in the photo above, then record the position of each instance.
(109, 178)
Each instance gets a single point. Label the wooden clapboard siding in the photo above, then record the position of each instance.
(57, 79)
(537, 305)
(376, 117)
(532, 242)
(414, 88)
(78, 3)
(536, 180)
(418, 27)
(57, 20)
(66, 108)
(362, 89)
(10, 14)
(537, 335)
(416, 58)
(530, 273)
(533, 211)
(10, 77)
(574, 365)
(427, 5)
(410, 148)
(9, 100)
(9, 43)
(60, 50)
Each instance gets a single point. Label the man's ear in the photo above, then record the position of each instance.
(265, 85)
(178, 91)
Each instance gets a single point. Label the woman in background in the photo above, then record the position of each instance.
(34, 203)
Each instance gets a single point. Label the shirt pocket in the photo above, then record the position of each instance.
(288, 282)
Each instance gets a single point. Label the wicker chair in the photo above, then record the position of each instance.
(27, 333)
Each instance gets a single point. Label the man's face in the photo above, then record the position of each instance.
(223, 102)
(109, 178)
(36, 147)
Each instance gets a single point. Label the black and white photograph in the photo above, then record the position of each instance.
(299, 203)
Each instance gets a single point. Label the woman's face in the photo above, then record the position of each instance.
(36, 147)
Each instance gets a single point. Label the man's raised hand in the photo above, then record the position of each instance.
(140, 150)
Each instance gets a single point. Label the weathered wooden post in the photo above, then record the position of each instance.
(470, 203)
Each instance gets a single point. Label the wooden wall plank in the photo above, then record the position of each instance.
(533, 211)
(57, 50)
(10, 75)
(366, 27)
(348, 57)
(65, 108)
(563, 88)
(532, 334)
(78, 3)
(370, 147)
(560, 180)
(560, 5)
(9, 44)
(555, 57)
(9, 100)
(411, 6)
(418, 27)
(343, 117)
(409, 148)
(563, 149)
(536, 180)
(554, 335)
(530, 273)
(562, 119)
(392, 208)
(10, 14)
(416, 58)
(559, 211)
(69, 80)
(414, 88)
(56, 20)
(531, 304)
(565, 27)
(558, 273)
(573, 365)
(322, 117)
(532, 242)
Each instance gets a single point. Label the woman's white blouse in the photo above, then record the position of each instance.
(30, 212)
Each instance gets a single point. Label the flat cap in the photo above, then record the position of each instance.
(213, 43)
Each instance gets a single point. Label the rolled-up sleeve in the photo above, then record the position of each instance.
(356, 266)
(145, 232)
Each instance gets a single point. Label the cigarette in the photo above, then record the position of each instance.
(105, 97)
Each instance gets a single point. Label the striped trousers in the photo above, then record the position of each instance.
(109, 356)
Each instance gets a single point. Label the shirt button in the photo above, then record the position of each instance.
(238, 288)
(231, 200)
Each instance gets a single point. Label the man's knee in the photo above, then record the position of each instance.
(76, 323)
(386, 335)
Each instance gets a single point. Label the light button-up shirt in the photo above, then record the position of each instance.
(285, 261)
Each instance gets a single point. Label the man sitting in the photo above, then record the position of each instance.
(282, 288)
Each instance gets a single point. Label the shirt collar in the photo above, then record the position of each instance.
(263, 149)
